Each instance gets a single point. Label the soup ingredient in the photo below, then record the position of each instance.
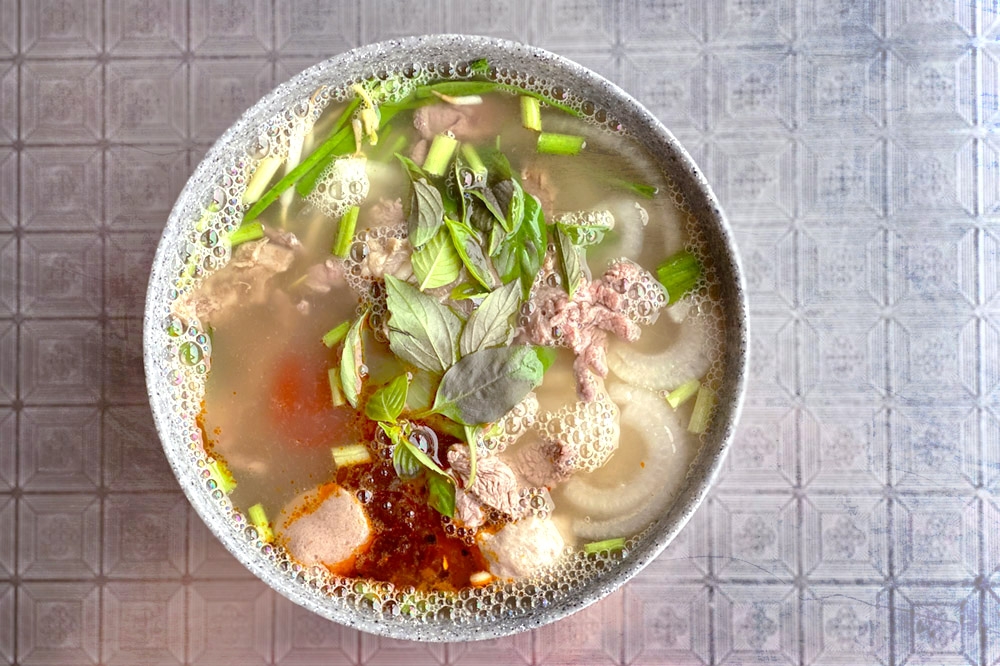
(531, 113)
(248, 232)
(688, 355)
(604, 546)
(260, 522)
(345, 232)
(222, 476)
(351, 454)
(560, 144)
(683, 393)
(702, 412)
(625, 296)
(616, 505)
(495, 486)
(326, 527)
(679, 275)
(581, 437)
(522, 548)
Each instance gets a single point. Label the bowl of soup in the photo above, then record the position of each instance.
(446, 338)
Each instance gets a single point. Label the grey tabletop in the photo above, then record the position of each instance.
(854, 146)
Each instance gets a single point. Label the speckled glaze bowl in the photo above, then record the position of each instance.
(178, 432)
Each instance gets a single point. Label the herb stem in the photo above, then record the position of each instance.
(702, 412)
(337, 398)
(550, 143)
(351, 454)
(336, 334)
(602, 546)
(248, 232)
(223, 477)
(683, 393)
(531, 113)
(266, 168)
(679, 274)
(345, 232)
(439, 154)
(473, 160)
(325, 149)
(258, 518)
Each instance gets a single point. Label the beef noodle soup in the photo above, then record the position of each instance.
(460, 333)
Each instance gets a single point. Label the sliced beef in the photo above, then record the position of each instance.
(472, 123)
(495, 484)
(625, 296)
(537, 181)
(244, 280)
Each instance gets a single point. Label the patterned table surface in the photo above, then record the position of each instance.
(854, 145)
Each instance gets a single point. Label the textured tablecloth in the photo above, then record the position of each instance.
(853, 144)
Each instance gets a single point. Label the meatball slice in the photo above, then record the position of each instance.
(328, 527)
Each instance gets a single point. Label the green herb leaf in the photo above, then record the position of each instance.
(351, 360)
(586, 228)
(437, 263)
(489, 202)
(422, 331)
(420, 396)
(487, 384)
(497, 237)
(569, 260)
(403, 461)
(510, 196)
(413, 170)
(468, 290)
(471, 252)
(546, 356)
(489, 325)
(441, 494)
(532, 239)
(426, 213)
(387, 403)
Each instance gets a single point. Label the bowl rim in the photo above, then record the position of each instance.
(692, 493)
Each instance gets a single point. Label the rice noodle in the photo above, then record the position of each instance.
(689, 356)
(628, 506)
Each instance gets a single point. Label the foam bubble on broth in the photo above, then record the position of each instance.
(190, 348)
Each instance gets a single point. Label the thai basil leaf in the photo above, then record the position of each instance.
(351, 360)
(496, 162)
(546, 356)
(441, 494)
(489, 325)
(584, 233)
(403, 461)
(387, 403)
(426, 213)
(510, 196)
(437, 263)
(569, 261)
(471, 252)
(420, 396)
(468, 290)
(487, 384)
(413, 171)
(489, 202)
(497, 237)
(422, 331)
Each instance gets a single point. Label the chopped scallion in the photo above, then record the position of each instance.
(642, 189)
(336, 334)
(683, 393)
(531, 113)
(337, 397)
(306, 166)
(439, 154)
(265, 171)
(603, 546)
(351, 454)
(679, 274)
(260, 522)
(248, 232)
(701, 415)
(551, 143)
(345, 232)
(222, 476)
(473, 160)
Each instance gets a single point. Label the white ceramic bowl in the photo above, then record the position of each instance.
(174, 403)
